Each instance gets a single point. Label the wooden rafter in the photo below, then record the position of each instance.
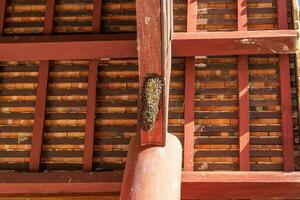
(189, 93)
(244, 128)
(2, 15)
(91, 97)
(234, 43)
(41, 96)
(285, 95)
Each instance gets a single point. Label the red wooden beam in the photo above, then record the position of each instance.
(96, 20)
(285, 96)
(150, 62)
(39, 117)
(189, 93)
(195, 185)
(41, 97)
(62, 47)
(2, 15)
(90, 117)
(244, 107)
(234, 43)
(240, 185)
(60, 183)
(244, 128)
(49, 15)
(91, 97)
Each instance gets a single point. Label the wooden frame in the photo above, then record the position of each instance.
(194, 184)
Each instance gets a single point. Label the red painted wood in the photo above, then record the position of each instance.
(191, 15)
(286, 114)
(150, 61)
(91, 97)
(239, 185)
(96, 22)
(41, 97)
(282, 17)
(39, 117)
(195, 185)
(242, 15)
(189, 108)
(63, 47)
(2, 15)
(234, 43)
(244, 129)
(189, 93)
(49, 15)
(90, 117)
(244, 107)
(285, 94)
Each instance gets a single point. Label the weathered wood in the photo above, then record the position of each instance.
(234, 43)
(189, 93)
(153, 33)
(285, 95)
(63, 47)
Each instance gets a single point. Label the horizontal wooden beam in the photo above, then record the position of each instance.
(250, 185)
(234, 43)
(125, 46)
(67, 47)
(194, 184)
(60, 183)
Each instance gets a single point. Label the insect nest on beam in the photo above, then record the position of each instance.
(151, 96)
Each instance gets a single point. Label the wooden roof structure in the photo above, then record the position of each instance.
(71, 74)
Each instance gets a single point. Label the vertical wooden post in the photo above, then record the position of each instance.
(150, 43)
(2, 15)
(244, 130)
(189, 93)
(285, 95)
(41, 96)
(91, 96)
